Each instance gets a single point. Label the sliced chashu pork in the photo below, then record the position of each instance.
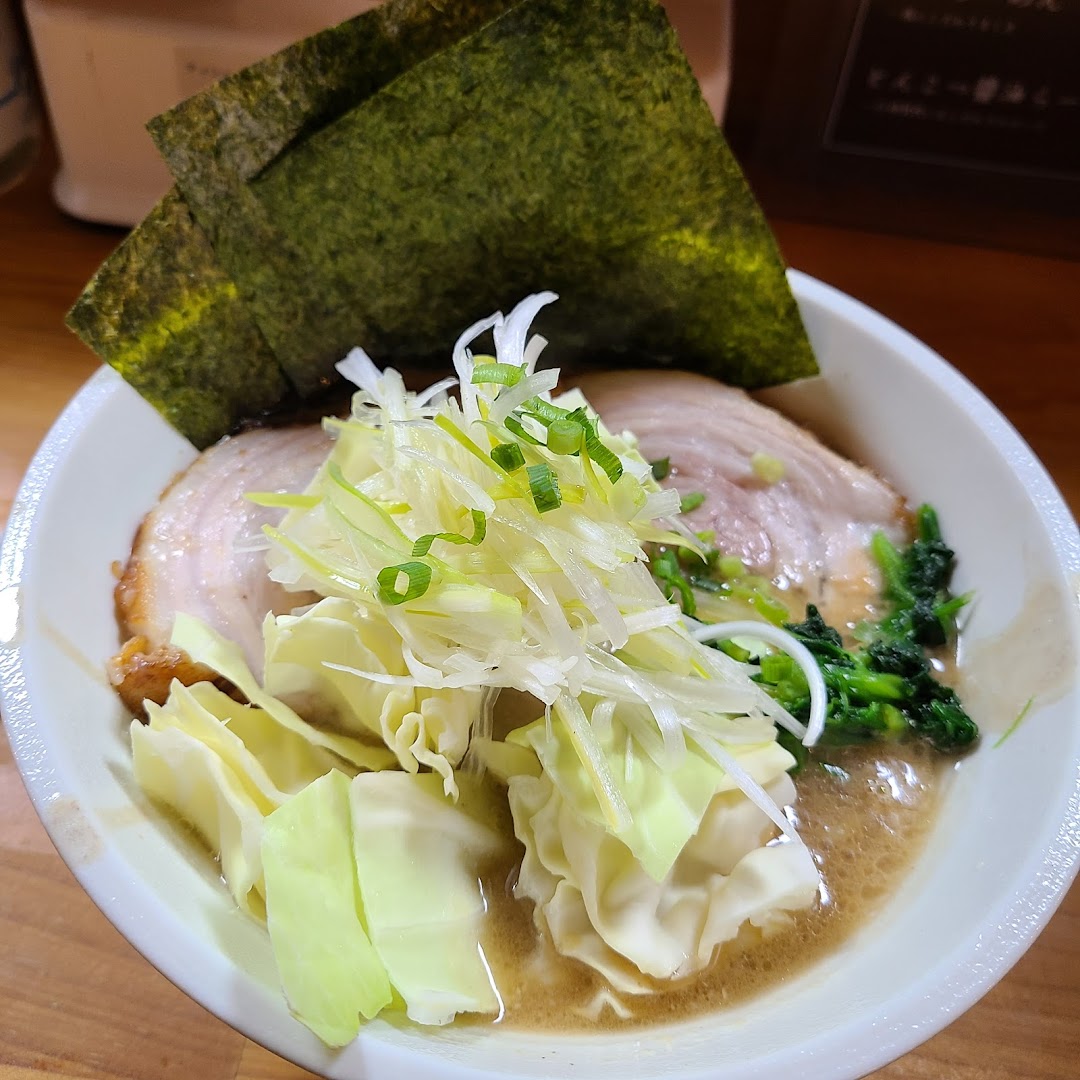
(809, 530)
(189, 556)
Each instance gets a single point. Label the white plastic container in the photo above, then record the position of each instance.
(108, 66)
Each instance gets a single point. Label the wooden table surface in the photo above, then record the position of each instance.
(76, 999)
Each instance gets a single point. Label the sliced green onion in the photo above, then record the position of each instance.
(423, 544)
(690, 501)
(736, 652)
(768, 469)
(592, 482)
(419, 575)
(661, 468)
(497, 374)
(513, 424)
(606, 458)
(731, 566)
(508, 456)
(565, 436)
(756, 593)
(669, 575)
(544, 487)
(543, 410)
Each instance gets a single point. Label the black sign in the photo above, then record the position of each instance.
(993, 84)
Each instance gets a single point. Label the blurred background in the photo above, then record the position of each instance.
(956, 119)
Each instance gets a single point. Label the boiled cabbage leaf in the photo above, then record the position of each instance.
(600, 905)
(223, 766)
(181, 772)
(418, 858)
(334, 654)
(277, 762)
(329, 971)
(656, 898)
(666, 805)
(205, 646)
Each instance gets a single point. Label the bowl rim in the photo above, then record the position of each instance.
(250, 1008)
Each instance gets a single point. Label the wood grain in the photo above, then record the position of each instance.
(76, 999)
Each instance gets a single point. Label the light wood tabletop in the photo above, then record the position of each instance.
(76, 999)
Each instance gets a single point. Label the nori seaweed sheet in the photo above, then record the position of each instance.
(222, 137)
(371, 185)
(564, 145)
(162, 312)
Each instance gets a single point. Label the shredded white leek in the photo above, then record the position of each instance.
(748, 785)
(360, 369)
(512, 332)
(436, 390)
(514, 396)
(798, 652)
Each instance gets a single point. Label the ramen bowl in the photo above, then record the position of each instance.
(999, 858)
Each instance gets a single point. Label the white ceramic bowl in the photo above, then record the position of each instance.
(1003, 852)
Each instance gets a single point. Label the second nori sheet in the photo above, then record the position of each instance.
(564, 145)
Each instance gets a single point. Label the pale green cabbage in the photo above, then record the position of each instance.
(329, 971)
(419, 859)
(599, 904)
(330, 658)
(665, 806)
(223, 766)
(658, 897)
(205, 646)
(178, 771)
